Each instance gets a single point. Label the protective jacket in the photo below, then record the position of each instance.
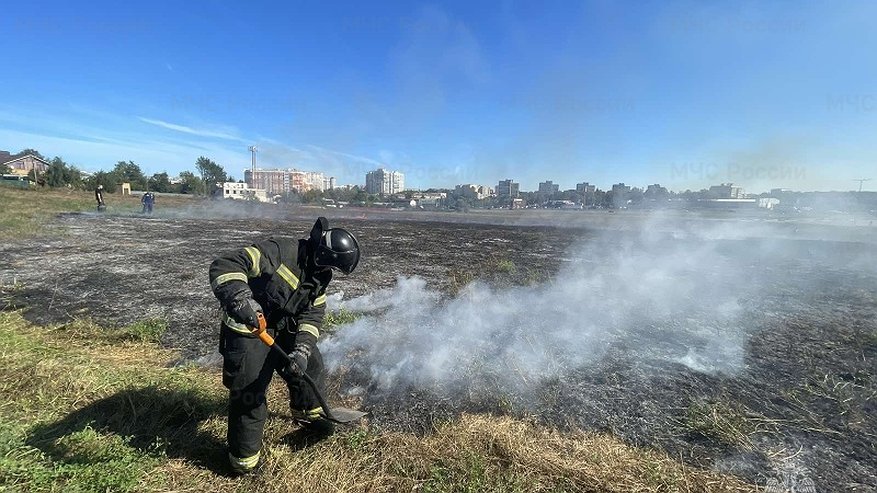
(282, 279)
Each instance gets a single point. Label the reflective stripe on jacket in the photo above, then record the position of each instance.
(276, 271)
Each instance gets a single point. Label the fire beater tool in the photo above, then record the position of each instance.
(340, 415)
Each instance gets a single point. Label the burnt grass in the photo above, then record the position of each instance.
(806, 399)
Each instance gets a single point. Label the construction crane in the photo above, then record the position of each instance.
(861, 180)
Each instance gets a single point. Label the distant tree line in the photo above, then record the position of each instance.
(62, 174)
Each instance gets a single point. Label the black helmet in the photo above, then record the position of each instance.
(337, 249)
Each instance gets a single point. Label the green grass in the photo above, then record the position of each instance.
(86, 460)
(29, 212)
(333, 320)
(90, 409)
(149, 330)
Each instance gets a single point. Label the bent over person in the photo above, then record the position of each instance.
(285, 280)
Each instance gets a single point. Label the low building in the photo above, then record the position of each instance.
(242, 191)
(429, 199)
(728, 204)
(563, 204)
(726, 191)
(768, 202)
(23, 165)
(470, 191)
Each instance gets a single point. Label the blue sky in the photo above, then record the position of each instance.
(686, 94)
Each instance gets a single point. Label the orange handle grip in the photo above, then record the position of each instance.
(262, 331)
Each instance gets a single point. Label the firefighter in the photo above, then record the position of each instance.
(99, 197)
(147, 200)
(285, 280)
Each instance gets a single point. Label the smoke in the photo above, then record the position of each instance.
(654, 298)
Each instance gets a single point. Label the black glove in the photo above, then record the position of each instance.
(299, 357)
(245, 310)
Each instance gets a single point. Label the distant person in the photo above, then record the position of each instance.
(286, 280)
(148, 200)
(99, 196)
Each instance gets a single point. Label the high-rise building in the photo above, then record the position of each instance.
(397, 182)
(384, 182)
(620, 188)
(656, 190)
(548, 187)
(507, 188)
(620, 191)
(585, 188)
(281, 181)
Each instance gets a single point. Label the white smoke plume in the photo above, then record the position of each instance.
(662, 301)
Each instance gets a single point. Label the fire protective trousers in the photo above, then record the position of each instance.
(247, 369)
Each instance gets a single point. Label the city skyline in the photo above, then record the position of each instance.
(679, 93)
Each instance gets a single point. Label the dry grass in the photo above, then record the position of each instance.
(86, 410)
(720, 420)
(481, 453)
(26, 212)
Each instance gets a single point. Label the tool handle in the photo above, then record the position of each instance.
(262, 333)
(262, 330)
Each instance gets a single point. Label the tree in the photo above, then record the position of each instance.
(25, 152)
(55, 173)
(211, 173)
(191, 184)
(130, 172)
(311, 196)
(108, 180)
(5, 170)
(344, 194)
(61, 174)
(160, 182)
(361, 196)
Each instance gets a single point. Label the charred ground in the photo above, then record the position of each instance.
(805, 397)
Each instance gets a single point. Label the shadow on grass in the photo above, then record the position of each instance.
(152, 420)
(303, 438)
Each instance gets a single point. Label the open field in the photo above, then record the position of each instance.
(86, 409)
(735, 345)
(26, 212)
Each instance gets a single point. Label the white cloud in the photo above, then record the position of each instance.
(227, 133)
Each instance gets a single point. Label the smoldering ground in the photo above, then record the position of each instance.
(605, 297)
(732, 344)
(701, 342)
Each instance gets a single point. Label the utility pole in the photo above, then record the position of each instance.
(861, 180)
(253, 170)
